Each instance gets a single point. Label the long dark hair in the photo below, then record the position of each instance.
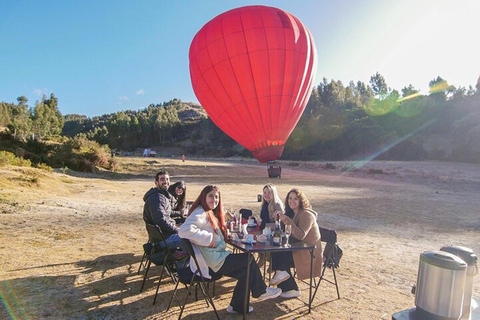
(216, 216)
(303, 205)
(181, 199)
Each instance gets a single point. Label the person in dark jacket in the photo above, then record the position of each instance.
(178, 192)
(158, 209)
(271, 204)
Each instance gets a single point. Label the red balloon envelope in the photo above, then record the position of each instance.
(252, 69)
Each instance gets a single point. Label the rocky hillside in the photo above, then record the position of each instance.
(190, 112)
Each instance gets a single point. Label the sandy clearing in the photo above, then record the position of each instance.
(70, 245)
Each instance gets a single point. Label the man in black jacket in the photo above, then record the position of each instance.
(158, 209)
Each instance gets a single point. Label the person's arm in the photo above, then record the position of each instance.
(264, 217)
(191, 229)
(305, 223)
(176, 213)
(160, 216)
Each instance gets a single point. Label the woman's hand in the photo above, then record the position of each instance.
(284, 218)
(212, 244)
(184, 212)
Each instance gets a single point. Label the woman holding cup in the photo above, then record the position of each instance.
(303, 221)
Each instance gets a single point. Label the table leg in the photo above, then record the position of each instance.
(264, 266)
(247, 286)
(311, 276)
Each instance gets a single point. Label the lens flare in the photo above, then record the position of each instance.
(361, 163)
(439, 87)
(328, 125)
(379, 107)
(410, 106)
(10, 302)
(409, 97)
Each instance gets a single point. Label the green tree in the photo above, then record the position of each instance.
(20, 122)
(408, 91)
(5, 114)
(379, 85)
(47, 119)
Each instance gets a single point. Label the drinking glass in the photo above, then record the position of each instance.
(239, 221)
(288, 232)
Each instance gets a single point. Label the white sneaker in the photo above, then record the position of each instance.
(271, 293)
(279, 277)
(291, 294)
(230, 309)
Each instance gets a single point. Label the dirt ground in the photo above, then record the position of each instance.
(71, 244)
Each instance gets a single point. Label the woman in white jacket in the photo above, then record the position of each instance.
(205, 228)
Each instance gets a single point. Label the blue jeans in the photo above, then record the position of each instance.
(174, 241)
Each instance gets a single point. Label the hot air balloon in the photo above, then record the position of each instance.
(252, 70)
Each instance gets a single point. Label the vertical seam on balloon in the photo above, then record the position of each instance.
(214, 120)
(311, 52)
(299, 101)
(239, 135)
(268, 114)
(294, 98)
(283, 114)
(279, 108)
(251, 71)
(246, 140)
(313, 61)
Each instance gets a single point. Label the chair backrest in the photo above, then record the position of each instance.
(189, 249)
(332, 253)
(193, 259)
(328, 236)
(155, 234)
(246, 213)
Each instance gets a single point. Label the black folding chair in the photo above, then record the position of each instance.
(330, 259)
(159, 254)
(246, 213)
(189, 279)
(143, 263)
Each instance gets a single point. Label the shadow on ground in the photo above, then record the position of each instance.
(98, 291)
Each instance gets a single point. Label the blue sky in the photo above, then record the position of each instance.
(101, 57)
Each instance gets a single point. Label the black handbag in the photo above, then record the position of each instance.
(337, 255)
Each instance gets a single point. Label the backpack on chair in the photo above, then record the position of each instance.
(337, 255)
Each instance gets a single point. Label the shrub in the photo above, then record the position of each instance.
(330, 165)
(45, 167)
(114, 165)
(8, 158)
(375, 171)
(81, 154)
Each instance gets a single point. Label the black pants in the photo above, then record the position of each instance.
(235, 266)
(283, 261)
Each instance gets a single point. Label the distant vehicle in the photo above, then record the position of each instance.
(274, 169)
(128, 154)
(149, 153)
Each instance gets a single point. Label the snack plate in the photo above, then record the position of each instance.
(248, 242)
(261, 239)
